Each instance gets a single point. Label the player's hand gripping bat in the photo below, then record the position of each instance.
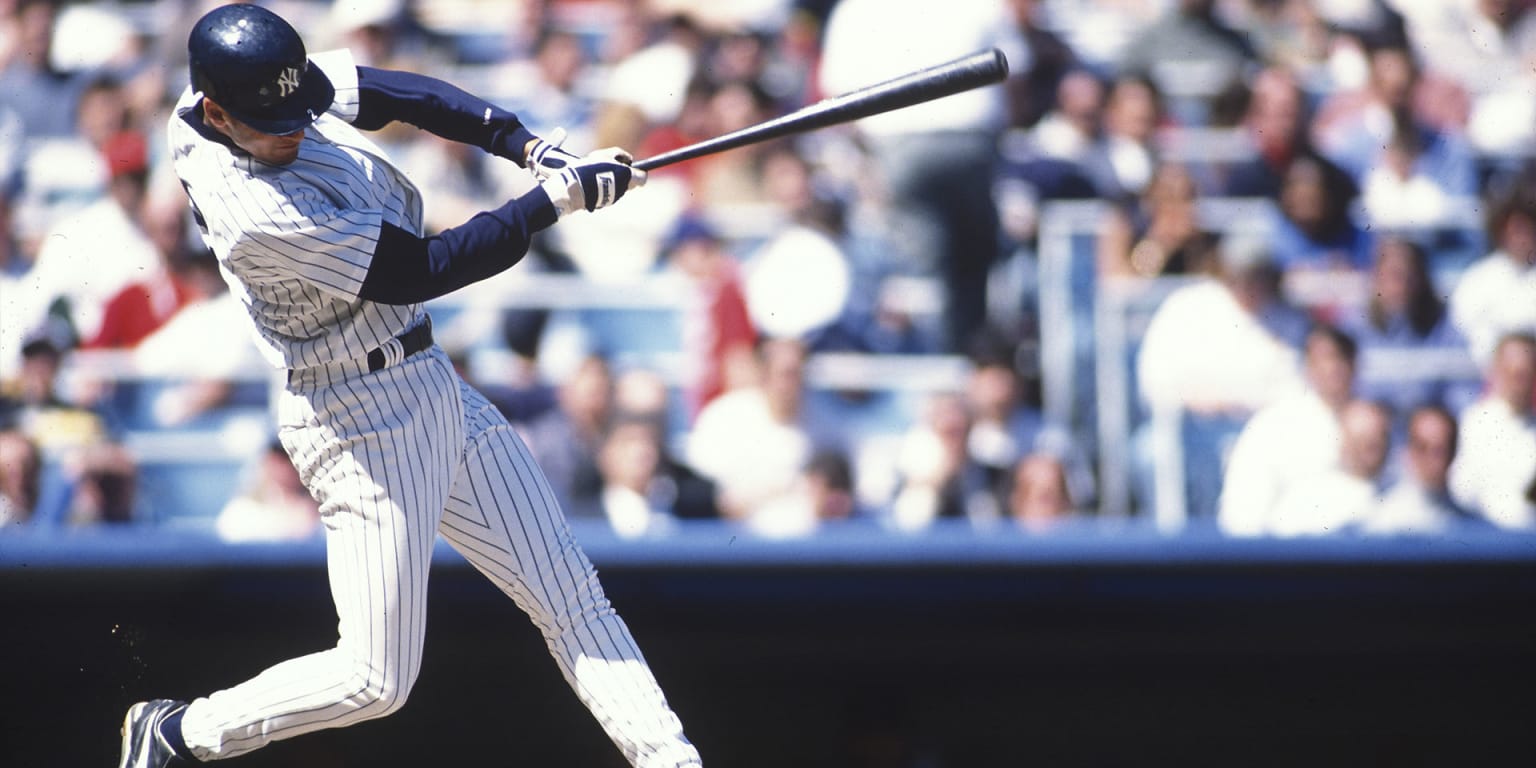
(947, 79)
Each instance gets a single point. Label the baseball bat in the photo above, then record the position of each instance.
(935, 82)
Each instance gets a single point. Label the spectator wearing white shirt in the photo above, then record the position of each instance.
(91, 254)
(1495, 472)
(753, 441)
(636, 498)
(1291, 443)
(1420, 502)
(1339, 498)
(1497, 294)
(1227, 344)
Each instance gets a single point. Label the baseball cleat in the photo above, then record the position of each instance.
(143, 746)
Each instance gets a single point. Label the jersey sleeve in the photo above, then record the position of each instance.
(339, 66)
(438, 107)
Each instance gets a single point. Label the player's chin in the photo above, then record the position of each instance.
(286, 154)
(282, 150)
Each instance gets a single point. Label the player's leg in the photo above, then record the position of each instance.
(503, 517)
(381, 451)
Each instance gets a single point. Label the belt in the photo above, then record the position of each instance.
(389, 353)
(411, 342)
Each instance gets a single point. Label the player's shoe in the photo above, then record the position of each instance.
(143, 746)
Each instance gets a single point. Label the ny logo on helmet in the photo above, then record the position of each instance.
(287, 82)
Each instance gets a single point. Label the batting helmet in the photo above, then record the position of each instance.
(253, 64)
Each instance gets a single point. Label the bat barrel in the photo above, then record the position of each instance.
(947, 79)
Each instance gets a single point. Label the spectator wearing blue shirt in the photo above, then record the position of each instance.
(1314, 230)
(41, 95)
(1354, 132)
(1411, 354)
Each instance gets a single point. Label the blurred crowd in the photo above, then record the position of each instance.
(1361, 355)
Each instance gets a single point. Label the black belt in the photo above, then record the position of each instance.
(411, 342)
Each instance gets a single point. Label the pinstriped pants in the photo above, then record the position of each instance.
(395, 458)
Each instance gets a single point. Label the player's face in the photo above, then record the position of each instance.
(266, 147)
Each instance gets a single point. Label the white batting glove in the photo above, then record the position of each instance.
(546, 158)
(592, 182)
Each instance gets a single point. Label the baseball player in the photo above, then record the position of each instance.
(320, 237)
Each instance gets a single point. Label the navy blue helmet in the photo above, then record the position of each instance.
(253, 64)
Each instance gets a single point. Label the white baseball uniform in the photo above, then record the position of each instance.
(395, 456)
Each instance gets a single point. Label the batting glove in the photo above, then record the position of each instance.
(546, 158)
(592, 182)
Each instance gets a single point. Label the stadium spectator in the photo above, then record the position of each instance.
(1408, 345)
(1294, 36)
(718, 334)
(1497, 294)
(522, 392)
(1286, 448)
(204, 348)
(798, 281)
(1496, 466)
(1353, 129)
(647, 87)
(565, 441)
(33, 404)
(1005, 428)
(549, 88)
(14, 265)
(1191, 55)
(1225, 344)
(938, 478)
(1314, 233)
(728, 180)
(102, 113)
(822, 497)
(753, 441)
(1420, 502)
(1068, 129)
(21, 467)
(935, 160)
(642, 393)
(44, 96)
(147, 303)
(379, 33)
(1161, 233)
(93, 253)
(635, 498)
(1122, 162)
(1339, 498)
(1038, 497)
(103, 480)
(1487, 48)
(272, 506)
(1398, 191)
(1275, 124)
(1047, 160)
(1214, 352)
(1033, 92)
(828, 479)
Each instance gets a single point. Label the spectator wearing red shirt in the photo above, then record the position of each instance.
(142, 306)
(718, 334)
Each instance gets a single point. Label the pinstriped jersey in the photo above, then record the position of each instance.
(294, 242)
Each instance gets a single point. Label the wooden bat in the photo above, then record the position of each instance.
(936, 82)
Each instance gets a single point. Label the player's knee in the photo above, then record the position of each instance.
(381, 695)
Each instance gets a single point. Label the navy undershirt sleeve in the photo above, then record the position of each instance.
(387, 95)
(407, 269)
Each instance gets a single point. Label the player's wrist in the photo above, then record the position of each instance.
(538, 208)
